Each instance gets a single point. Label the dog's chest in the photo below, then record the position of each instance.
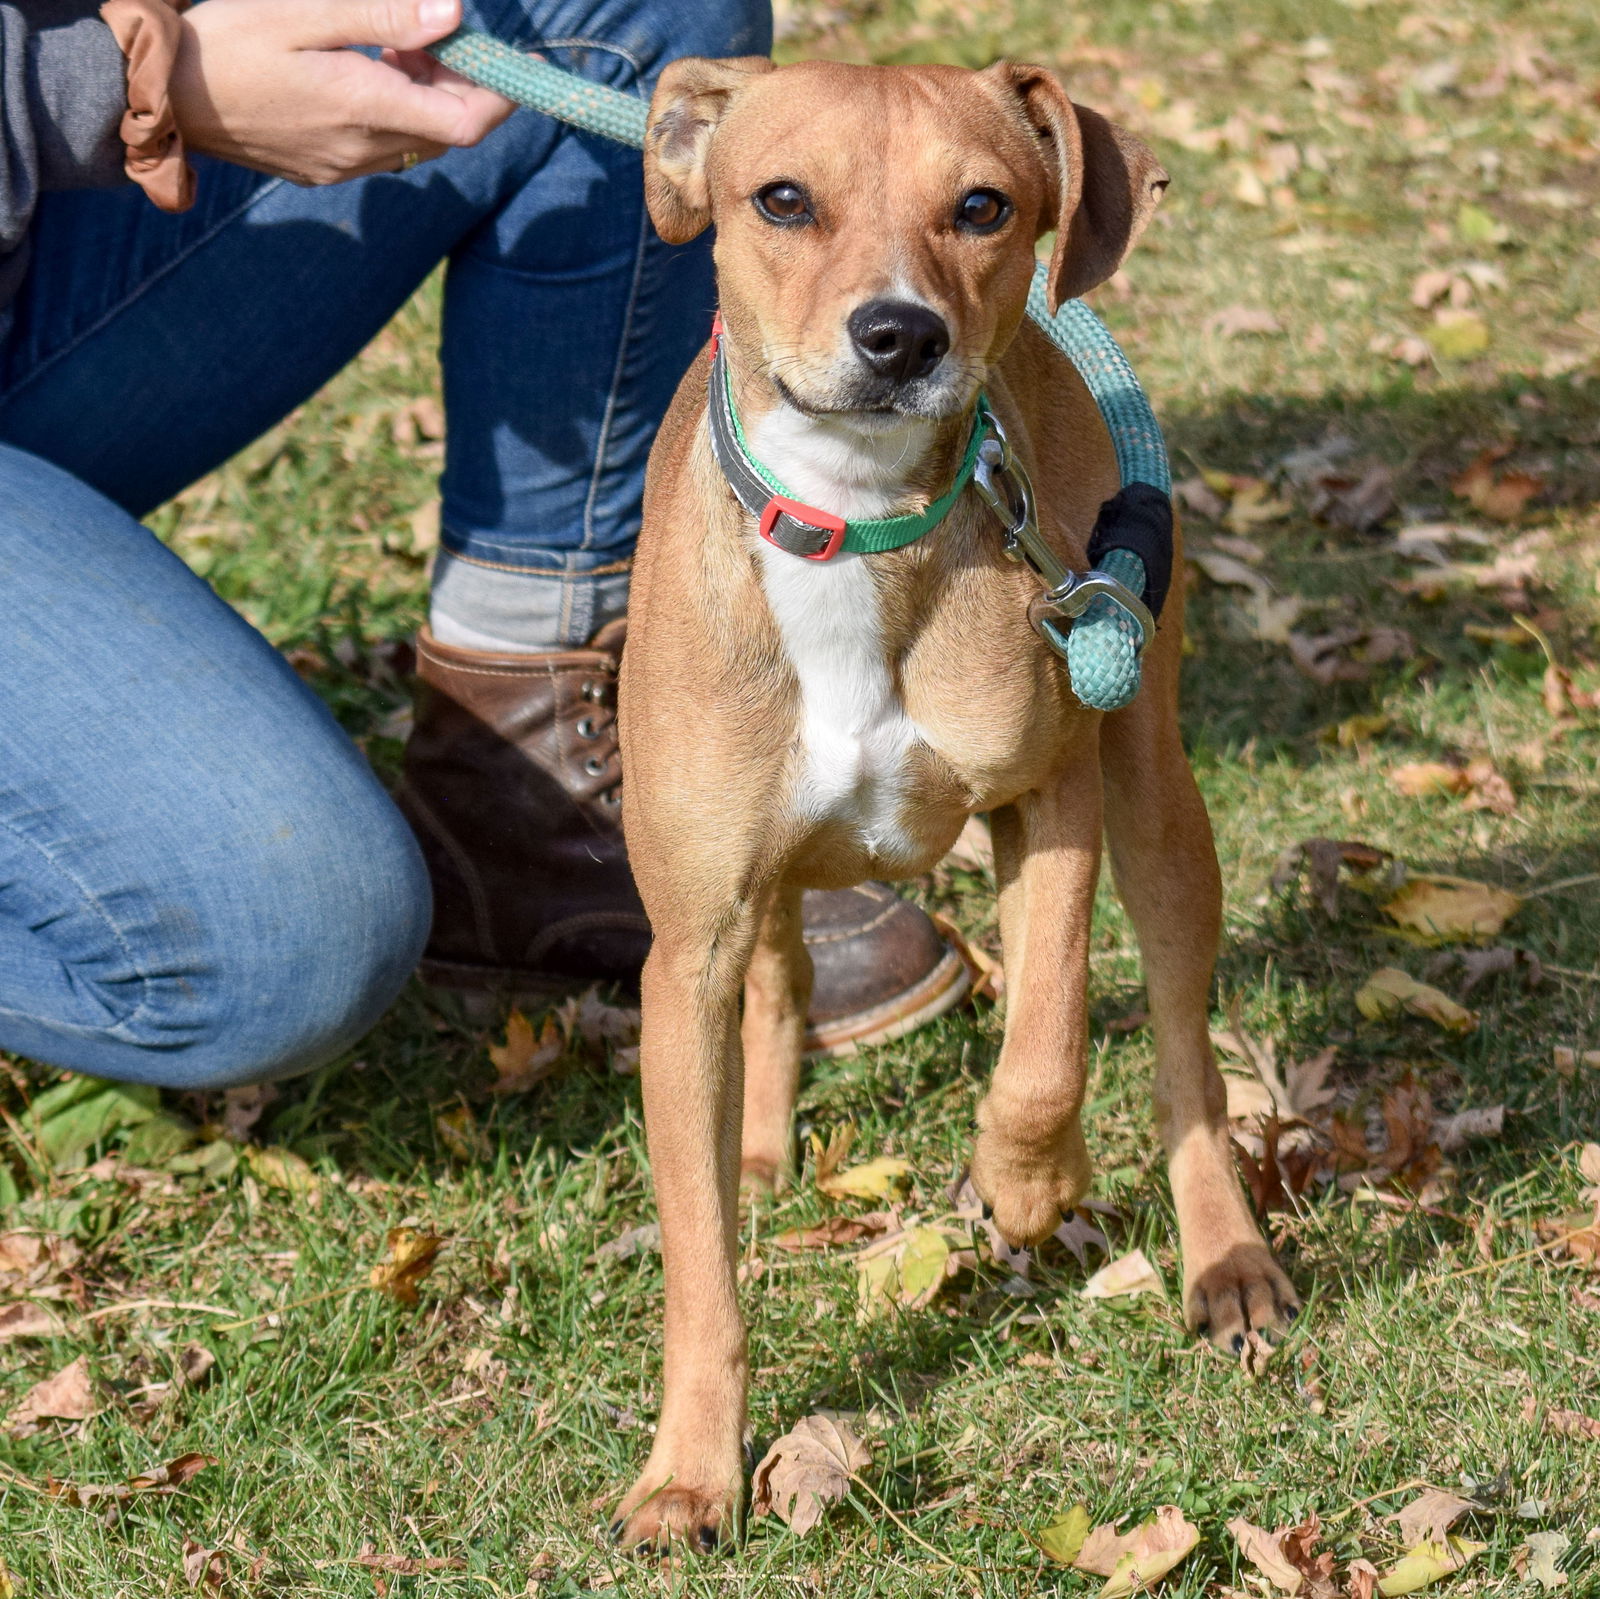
(855, 735)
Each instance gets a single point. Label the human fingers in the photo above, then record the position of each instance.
(332, 24)
(451, 113)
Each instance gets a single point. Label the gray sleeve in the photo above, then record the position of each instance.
(63, 89)
(78, 90)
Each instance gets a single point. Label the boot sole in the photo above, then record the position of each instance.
(483, 993)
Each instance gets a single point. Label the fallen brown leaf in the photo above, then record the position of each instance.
(1287, 1558)
(410, 1257)
(1429, 1517)
(26, 1319)
(67, 1396)
(1235, 321)
(1126, 1277)
(202, 1567)
(1566, 1423)
(807, 1469)
(158, 1480)
(1348, 654)
(524, 1060)
(407, 1565)
(837, 1230)
(1323, 859)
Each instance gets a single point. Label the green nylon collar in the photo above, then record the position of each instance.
(871, 537)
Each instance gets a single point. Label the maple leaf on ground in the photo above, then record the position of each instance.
(1278, 1175)
(1136, 1560)
(1477, 965)
(1431, 1515)
(871, 1179)
(1500, 497)
(410, 1257)
(810, 1467)
(524, 1060)
(1564, 1423)
(586, 1018)
(1288, 1558)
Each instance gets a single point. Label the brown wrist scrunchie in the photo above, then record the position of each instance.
(149, 33)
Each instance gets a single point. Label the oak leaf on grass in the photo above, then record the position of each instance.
(807, 1469)
(69, 1395)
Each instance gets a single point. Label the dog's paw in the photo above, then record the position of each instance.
(666, 1517)
(1029, 1190)
(1243, 1292)
(761, 1173)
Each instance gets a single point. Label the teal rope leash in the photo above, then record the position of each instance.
(1102, 647)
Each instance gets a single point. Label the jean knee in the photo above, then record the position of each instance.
(310, 955)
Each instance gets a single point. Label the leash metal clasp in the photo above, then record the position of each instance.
(1002, 484)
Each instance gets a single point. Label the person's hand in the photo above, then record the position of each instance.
(269, 84)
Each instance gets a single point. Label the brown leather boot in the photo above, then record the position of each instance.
(512, 782)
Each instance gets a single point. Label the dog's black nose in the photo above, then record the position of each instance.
(898, 340)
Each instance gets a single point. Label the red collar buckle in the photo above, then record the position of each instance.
(803, 530)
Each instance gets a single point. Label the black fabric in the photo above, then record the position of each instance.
(1139, 518)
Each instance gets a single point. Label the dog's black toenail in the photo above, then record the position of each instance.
(707, 1539)
(1290, 1312)
(1204, 1329)
(1237, 1346)
(988, 1212)
(615, 1530)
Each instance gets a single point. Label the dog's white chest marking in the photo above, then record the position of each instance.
(854, 730)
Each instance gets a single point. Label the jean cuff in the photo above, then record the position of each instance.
(483, 607)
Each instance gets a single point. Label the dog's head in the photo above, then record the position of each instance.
(876, 226)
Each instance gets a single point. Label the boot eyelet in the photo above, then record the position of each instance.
(611, 797)
(593, 767)
(587, 729)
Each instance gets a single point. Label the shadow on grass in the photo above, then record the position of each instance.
(1238, 689)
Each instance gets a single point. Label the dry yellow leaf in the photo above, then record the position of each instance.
(1389, 990)
(1124, 1278)
(1450, 910)
(872, 1179)
(410, 1258)
(1421, 778)
(1426, 1564)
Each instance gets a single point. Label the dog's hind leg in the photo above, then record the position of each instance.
(1166, 873)
(777, 994)
(692, 1077)
(1030, 1163)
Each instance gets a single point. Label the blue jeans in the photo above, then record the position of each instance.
(201, 882)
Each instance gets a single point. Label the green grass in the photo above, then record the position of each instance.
(342, 1418)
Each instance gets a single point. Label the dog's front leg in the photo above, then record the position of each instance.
(777, 992)
(1030, 1164)
(693, 1098)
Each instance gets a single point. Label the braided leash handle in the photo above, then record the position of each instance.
(1101, 648)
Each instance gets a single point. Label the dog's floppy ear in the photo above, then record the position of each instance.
(1104, 181)
(691, 98)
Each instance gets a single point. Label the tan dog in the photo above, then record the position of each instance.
(790, 723)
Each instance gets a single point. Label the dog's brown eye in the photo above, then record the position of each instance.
(982, 211)
(783, 202)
